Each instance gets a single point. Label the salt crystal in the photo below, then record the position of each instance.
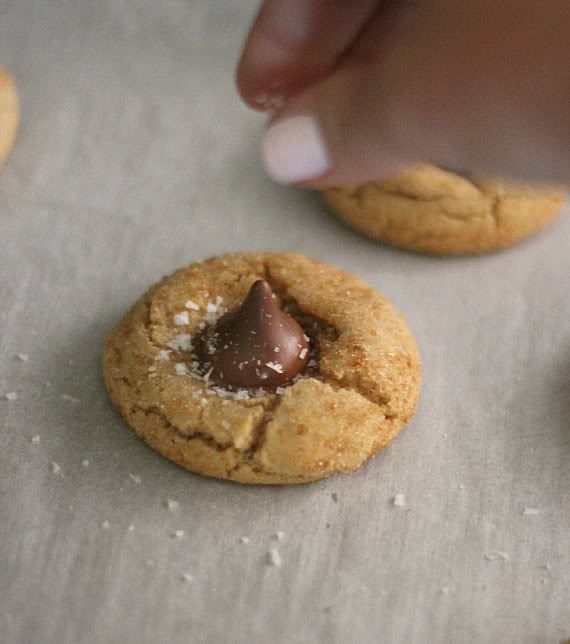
(152, 368)
(211, 308)
(192, 305)
(276, 349)
(186, 576)
(399, 500)
(69, 398)
(164, 355)
(279, 536)
(55, 468)
(178, 534)
(242, 394)
(274, 558)
(181, 369)
(275, 366)
(105, 525)
(307, 338)
(23, 357)
(312, 363)
(244, 539)
(180, 319)
(131, 528)
(149, 563)
(495, 555)
(219, 300)
(182, 342)
(303, 353)
(36, 439)
(11, 395)
(172, 505)
(530, 511)
(85, 462)
(280, 391)
(136, 478)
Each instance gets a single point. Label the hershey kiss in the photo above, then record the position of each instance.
(257, 344)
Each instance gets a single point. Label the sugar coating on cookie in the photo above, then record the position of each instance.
(435, 211)
(359, 388)
(9, 113)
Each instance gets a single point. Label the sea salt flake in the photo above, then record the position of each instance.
(149, 563)
(172, 505)
(530, 511)
(192, 305)
(186, 576)
(152, 368)
(105, 525)
(11, 395)
(244, 539)
(303, 353)
(274, 558)
(23, 357)
(131, 528)
(69, 398)
(178, 534)
(275, 366)
(55, 467)
(312, 363)
(85, 462)
(496, 555)
(242, 394)
(36, 439)
(180, 319)
(136, 478)
(181, 369)
(399, 500)
(276, 349)
(164, 355)
(211, 308)
(182, 342)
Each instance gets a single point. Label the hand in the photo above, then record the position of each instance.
(360, 89)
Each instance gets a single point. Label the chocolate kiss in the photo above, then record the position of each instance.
(257, 344)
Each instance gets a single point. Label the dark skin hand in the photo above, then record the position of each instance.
(358, 89)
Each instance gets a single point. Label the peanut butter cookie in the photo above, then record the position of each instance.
(435, 211)
(263, 368)
(9, 113)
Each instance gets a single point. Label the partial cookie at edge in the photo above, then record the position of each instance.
(9, 113)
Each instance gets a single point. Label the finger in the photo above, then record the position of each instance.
(294, 42)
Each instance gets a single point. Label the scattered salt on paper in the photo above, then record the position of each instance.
(69, 398)
(178, 534)
(131, 528)
(171, 504)
(180, 319)
(55, 467)
(496, 555)
(530, 511)
(105, 525)
(186, 576)
(11, 395)
(244, 539)
(23, 357)
(135, 477)
(36, 439)
(274, 558)
(85, 462)
(279, 536)
(399, 500)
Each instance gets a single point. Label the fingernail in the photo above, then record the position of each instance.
(293, 150)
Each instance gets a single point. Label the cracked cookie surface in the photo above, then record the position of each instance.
(361, 392)
(9, 113)
(435, 211)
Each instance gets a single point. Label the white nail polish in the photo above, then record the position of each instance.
(293, 150)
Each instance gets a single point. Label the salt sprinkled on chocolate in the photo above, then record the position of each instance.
(241, 346)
